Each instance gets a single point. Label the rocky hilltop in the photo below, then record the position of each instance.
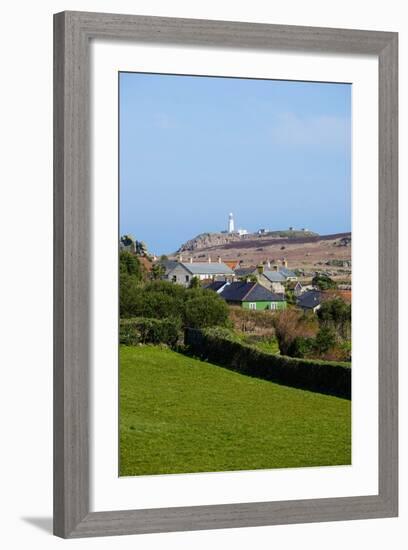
(211, 240)
(304, 250)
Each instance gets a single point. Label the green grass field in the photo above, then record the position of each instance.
(178, 414)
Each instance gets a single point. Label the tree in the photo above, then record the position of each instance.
(206, 310)
(141, 248)
(128, 243)
(325, 340)
(195, 283)
(323, 281)
(337, 314)
(130, 264)
(158, 271)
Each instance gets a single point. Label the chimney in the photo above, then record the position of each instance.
(219, 259)
(268, 264)
(260, 268)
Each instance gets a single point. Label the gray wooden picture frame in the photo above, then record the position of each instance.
(72, 34)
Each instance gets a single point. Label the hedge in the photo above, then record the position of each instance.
(333, 378)
(142, 330)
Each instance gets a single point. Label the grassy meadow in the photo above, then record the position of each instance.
(179, 415)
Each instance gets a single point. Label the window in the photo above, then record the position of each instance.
(252, 305)
(187, 278)
(273, 305)
(174, 278)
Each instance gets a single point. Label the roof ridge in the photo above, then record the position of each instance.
(249, 291)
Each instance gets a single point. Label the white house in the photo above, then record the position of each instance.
(183, 272)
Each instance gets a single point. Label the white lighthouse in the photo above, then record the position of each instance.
(230, 223)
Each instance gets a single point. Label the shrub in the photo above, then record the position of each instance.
(301, 347)
(149, 331)
(130, 264)
(333, 378)
(195, 307)
(205, 310)
(246, 320)
(325, 340)
(323, 281)
(336, 313)
(291, 324)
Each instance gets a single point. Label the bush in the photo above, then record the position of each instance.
(336, 313)
(325, 340)
(246, 320)
(149, 331)
(195, 307)
(328, 377)
(323, 281)
(291, 324)
(130, 264)
(301, 347)
(205, 310)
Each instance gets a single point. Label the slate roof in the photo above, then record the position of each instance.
(309, 299)
(206, 268)
(244, 271)
(287, 272)
(261, 294)
(215, 285)
(240, 291)
(168, 265)
(274, 276)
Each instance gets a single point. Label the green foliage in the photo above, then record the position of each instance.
(325, 340)
(149, 331)
(205, 310)
(159, 299)
(301, 347)
(323, 282)
(128, 242)
(291, 324)
(158, 271)
(129, 264)
(263, 342)
(290, 296)
(335, 310)
(195, 283)
(336, 313)
(179, 414)
(323, 376)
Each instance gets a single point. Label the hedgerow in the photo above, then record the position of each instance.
(329, 377)
(141, 330)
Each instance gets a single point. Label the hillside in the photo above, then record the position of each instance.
(211, 240)
(303, 250)
(198, 417)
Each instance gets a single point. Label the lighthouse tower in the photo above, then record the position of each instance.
(230, 223)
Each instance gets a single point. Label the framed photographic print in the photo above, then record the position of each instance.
(225, 274)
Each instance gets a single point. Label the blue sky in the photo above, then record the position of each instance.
(193, 149)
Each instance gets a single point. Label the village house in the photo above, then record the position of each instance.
(252, 296)
(273, 281)
(184, 272)
(216, 286)
(310, 300)
(243, 272)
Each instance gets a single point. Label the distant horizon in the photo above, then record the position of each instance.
(192, 149)
(250, 232)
